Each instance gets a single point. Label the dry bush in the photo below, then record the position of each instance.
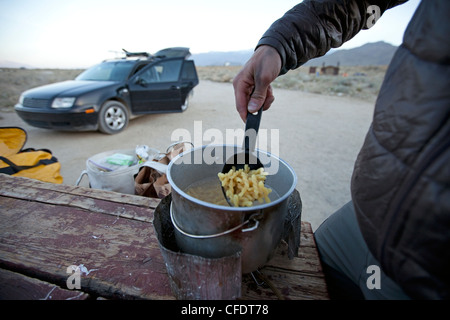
(217, 73)
(14, 81)
(362, 82)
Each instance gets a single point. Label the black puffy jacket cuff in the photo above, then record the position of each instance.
(277, 45)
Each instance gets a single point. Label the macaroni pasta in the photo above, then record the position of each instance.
(244, 186)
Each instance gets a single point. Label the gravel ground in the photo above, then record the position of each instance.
(319, 136)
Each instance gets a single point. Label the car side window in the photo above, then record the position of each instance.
(164, 71)
(188, 72)
(139, 68)
(150, 75)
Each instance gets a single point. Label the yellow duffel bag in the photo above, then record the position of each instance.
(36, 164)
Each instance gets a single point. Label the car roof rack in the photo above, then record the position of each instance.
(173, 52)
(137, 54)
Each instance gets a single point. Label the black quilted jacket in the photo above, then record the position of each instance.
(401, 180)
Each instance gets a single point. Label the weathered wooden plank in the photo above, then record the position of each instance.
(282, 285)
(16, 286)
(299, 278)
(79, 191)
(43, 240)
(307, 235)
(307, 261)
(308, 258)
(24, 189)
(46, 228)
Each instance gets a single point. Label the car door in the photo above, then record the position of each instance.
(157, 87)
(189, 78)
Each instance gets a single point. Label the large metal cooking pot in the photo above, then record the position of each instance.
(214, 231)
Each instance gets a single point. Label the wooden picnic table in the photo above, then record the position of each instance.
(47, 229)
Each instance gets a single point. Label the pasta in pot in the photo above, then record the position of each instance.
(244, 186)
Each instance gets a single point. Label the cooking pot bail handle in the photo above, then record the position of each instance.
(252, 218)
(83, 173)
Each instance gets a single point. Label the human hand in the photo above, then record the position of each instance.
(256, 76)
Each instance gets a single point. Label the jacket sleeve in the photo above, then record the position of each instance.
(313, 27)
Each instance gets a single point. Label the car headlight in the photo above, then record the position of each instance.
(21, 99)
(62, 103)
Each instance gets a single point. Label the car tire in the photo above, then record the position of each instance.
(185, 105)
(113, 117)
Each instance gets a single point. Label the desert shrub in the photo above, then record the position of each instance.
(14, 81)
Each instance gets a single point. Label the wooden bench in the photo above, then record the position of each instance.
(46, 229)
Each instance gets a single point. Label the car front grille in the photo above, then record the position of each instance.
(36, 103)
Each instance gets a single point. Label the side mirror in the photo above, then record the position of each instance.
(138, 80)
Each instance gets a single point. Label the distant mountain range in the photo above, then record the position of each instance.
(13, 64)
(218, 58)
(369, 54)
(376, 53)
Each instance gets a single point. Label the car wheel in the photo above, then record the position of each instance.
(187, 100)
(113, 117)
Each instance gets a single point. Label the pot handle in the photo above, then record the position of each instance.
(252, 218)
(254, 226)
(83, 173)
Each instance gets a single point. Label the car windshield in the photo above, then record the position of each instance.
(108, 71)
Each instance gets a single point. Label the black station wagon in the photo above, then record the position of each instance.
(105, 96)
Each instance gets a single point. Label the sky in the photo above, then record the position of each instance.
(81, 33)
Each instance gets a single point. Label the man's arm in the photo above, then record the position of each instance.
(313, 27)
(306, 31)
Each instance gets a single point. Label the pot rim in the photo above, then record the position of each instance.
(230, 208)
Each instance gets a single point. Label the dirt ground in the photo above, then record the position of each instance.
(319, 136)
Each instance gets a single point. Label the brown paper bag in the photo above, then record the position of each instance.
(151, 183)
